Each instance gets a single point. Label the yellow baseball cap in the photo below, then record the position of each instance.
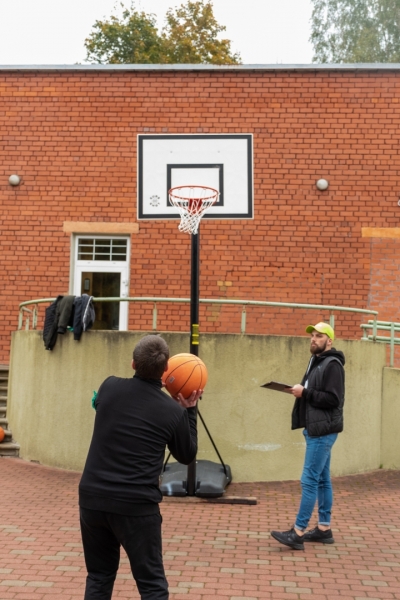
(322, 328)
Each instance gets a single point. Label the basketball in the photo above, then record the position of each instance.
(2, 434)
(186, 373)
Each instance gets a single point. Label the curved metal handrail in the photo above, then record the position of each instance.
(386, 326)
(243, 303)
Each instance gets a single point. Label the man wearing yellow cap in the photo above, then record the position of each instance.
(318, 408)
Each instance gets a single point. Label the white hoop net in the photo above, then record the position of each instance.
(192, 201)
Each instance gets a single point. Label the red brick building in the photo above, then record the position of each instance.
(70, 134)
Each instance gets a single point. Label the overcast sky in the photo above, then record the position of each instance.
(45, 32)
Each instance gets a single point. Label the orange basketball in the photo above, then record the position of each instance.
(2, 434)
(186, 373)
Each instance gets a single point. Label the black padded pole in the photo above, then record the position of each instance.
(194, 332)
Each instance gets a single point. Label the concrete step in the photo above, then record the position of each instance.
(3, 375)
(9, 449)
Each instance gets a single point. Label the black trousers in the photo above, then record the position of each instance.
(103, 534)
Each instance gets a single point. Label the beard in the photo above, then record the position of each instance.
(318, 349)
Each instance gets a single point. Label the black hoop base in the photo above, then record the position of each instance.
(211, 479)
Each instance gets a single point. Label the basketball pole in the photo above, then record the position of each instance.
(194, 332)
(203, 478)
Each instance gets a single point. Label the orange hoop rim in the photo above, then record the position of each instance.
(213, 195)
(192, 207)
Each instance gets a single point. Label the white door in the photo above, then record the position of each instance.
(102, 270)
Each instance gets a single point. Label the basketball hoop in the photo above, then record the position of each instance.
(192, 201)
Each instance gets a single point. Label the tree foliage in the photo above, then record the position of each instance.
(190, 35)
(355, 31)
(131, 39)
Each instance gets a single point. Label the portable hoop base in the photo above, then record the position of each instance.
(211, 479)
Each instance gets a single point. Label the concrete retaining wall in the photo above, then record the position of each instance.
(50, 413)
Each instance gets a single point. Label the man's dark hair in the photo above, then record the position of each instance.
(151, 356)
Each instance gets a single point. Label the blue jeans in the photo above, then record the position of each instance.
(316, 480)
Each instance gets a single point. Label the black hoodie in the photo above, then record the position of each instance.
(135, 420)
(320, 408)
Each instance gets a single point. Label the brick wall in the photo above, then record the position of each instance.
(72, 136)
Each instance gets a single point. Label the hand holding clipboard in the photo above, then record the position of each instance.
(278, 387)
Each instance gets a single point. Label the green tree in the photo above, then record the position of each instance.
(132, 38)
(354, 31)
(191, 35)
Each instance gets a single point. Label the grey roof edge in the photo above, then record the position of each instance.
(204, 67)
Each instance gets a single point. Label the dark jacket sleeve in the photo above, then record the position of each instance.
(80, 305)
(78, 313)
(51, 324)
(66, 310)
(96, 400)
(89, 316)
(183, 444)
(49, 328)
(333, 388)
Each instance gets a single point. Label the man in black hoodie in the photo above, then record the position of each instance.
(319, 409)
(119, 492)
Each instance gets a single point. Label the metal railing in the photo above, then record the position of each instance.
(374, 326)
(370, 329)
(33, 313)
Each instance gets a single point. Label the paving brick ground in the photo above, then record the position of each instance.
(211, 551)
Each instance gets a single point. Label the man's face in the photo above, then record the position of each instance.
(319, 343)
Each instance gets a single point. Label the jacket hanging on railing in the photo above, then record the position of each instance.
(67, 311)
(84, 315)
(48, 327)
(58, 317)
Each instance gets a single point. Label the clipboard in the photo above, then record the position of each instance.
(277, 386)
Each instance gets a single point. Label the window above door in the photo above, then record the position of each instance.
(102, 249)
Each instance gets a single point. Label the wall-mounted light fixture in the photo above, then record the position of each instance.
(14, 180)
(322, 184)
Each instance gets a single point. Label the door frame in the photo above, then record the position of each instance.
(104, 266)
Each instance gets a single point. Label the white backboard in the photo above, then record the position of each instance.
(223, 162)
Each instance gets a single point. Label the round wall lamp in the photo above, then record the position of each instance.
(14, 180)
(322, 184)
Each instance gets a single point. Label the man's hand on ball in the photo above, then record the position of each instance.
(191, 401)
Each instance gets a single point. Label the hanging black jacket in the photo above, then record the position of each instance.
(320, 408)
(58, 317)
(84, 315)
(49, 328)
(135, 421)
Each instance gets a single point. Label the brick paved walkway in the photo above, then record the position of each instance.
(211, 551)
